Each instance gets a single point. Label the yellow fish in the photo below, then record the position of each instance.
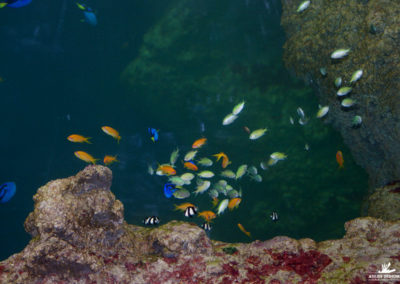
(76, 138)
(109, 160)
(244, 230)
(112, 132)
(85, 157)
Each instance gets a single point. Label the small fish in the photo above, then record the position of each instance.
(238, 108)
(199, 143)
(243, 230)
(241, 171)
(223, 182)
(338, 82)
(357, 120)
(303, 120)
(252, 170)
(356, 76)
(322, 111)
(153, 134)
(85, 157)
(278, 156)
(202, 186)
(215, 201)
(7, 191)
(274, 216)
(174, 157)
(257, 133)
(300, 112)
(245, 128)
(323, 71)
(229, 119)
(150, 169)
(306, 147)
(213, 193)
(291, 120)
(187, 176)
(112, 132)
(343, 91)
(348, 102)
(109, 159)
(153, 220)
(228, 174)
(181, 193)
(190, 211)
(88, 13)
(206, 174)
(257, 178)
(234, 194)
(234, 203)
(264, 165)
(339, 159)
(222, 206)
(166, 170)
(183, 206)
(169, 189)
(76, 138)
(225, 160)
(14, 3)
(190, 155)
(340, 53)
(206, 162)
(207, 215)
(190, 166)
(304, 5)
(176, 180)
(206, 226)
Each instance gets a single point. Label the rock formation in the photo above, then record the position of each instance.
(79, 236)
(371, 30)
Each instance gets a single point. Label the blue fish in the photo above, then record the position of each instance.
(14, 3)
(169, 189)
(153, 134)
(7, 191)
(88, 13)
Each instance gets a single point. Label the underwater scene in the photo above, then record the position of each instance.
(189, 104)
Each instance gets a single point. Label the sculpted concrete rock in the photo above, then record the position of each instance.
(370, 29)
(79, 236)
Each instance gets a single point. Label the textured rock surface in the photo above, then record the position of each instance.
(384, 203)
(79, 236)
(371, 29)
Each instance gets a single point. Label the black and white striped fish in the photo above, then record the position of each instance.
(190, 211)
(274, 216)
(152, 220)
(206, 226)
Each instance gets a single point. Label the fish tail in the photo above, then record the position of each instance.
(87, 140)
(248, 234)
(118, 139)
(152, 139)
(2, 5)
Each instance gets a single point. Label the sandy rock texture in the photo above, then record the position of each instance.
(371, 30)
(79, 236)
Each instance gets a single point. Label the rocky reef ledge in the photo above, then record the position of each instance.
(79, 236)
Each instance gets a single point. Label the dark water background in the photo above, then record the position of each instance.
(62, 76)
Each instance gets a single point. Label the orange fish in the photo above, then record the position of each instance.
(183, 206)
(225, 160)
(215, 201)
(234, 203)
(198, 143)
(85, 157)
(190, 166)
(207, 215)
(339, 158)
(244, 230)
(167, 170)
(78, 138)
(109, 160)
(112, 132)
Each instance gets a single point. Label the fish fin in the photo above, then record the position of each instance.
(2, 5)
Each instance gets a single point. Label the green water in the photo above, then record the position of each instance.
(62, 77)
